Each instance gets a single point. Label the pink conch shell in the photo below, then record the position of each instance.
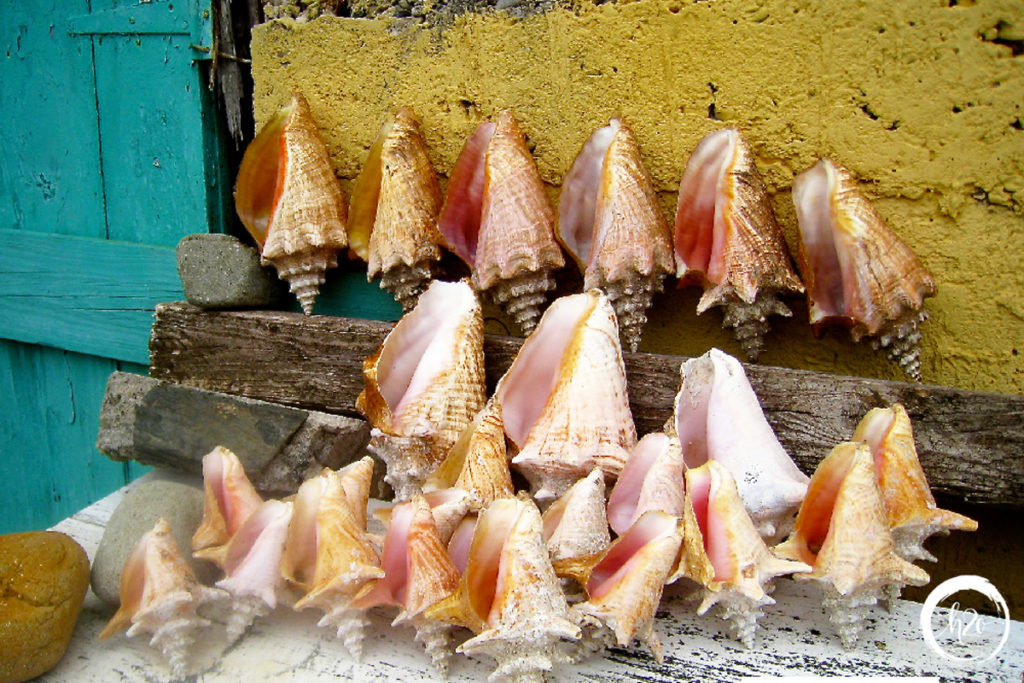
(229, 500)
(253, 565)
(509, 595)
(723, 553)
(909, 504)
(461, 542)
(843, 533)
(727, 239)
(624, 582)
(448, 506)
(651, 480)
(393, 214)
(859, 274)
(564, 400)
(291, 202)
(718, 417)
(160, 596)
(418, 574)
(610, 221)
(497, 217)
(425, 384)
(574, 525)
(478, 462)
(328, 554)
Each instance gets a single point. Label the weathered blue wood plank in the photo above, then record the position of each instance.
(147, 16)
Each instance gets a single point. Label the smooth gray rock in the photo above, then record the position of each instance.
(220, 271)
(178, 498)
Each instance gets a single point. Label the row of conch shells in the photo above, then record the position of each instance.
(498, 219)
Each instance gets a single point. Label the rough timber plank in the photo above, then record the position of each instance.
(969, 442)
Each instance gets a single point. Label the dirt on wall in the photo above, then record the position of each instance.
(922, 101)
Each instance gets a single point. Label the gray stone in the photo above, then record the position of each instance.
(178, 498)
(219, 271)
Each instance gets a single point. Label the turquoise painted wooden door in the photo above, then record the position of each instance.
(109, 156)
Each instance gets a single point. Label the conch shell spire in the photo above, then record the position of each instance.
(160, 596)
(610, 221)
(859, 274)
(843, 533)
(498, 219)
(291, 202)
(727, 239)
(229, 499)
(393, 213)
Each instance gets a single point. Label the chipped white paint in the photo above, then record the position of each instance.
(795, 638)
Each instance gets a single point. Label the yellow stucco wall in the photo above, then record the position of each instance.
(923, 102)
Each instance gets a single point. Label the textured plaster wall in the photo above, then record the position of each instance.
(924, 102)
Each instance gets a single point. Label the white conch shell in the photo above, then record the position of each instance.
(610, 221)
(497, 217)
(718, 417)
(252, 565)
(859, 274)
(418, 574)
(624, 583)
(229, 499)
(291, 202)
(393, 213)
(909, 504)
(564, 399)
(723, 553)
(574, 525)
(843, 533)
(510, 597)
(328, 554)
(727, 239)
(160, 596)
(425, 384)
(651, 480)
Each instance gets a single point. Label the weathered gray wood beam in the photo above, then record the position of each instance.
(971, 444)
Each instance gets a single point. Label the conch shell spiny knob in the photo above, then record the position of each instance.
(291, 202)
(727, 239)
(859, 274)
(610, 221)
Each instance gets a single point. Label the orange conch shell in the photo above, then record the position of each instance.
(651, 480)
(723, 553)
(393, 214)
(909, 504)
(727, 239)
(843, 533)
(497, 217)
(858, 273)
(610, 221)
(160, 596)
(291, 202)
(564, 400)
(425, 384)
(574, 525)
(229, 500)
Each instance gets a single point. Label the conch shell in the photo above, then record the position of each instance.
(564, 400)
(909, 504)
(418, 574)
(228, 501)
(718, 417)
(727, 239)
(510, 597)
(393, 213)
(425, 384)
(328, 554)
(610, 221)
(498, 219)
(624, 583)
(723, 552)
(651, 480)
(859, 274)
(160, 596)
(574, 525)
(842, 532)
(291, 202)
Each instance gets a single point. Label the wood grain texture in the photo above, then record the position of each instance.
(969, 442)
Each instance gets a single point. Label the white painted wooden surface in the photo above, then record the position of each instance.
(795, 638)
